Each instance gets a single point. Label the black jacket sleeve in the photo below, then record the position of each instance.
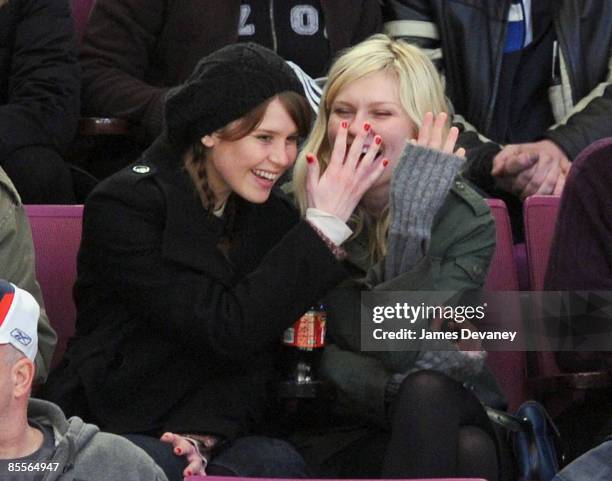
(370, 21)
(118, 49)
(588, 121)
(192, 300)
(42, 101)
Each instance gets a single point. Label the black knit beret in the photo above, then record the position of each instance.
(223, 87)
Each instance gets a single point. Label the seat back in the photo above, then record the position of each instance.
(502, 274)
(56, 232)
(540, 216)
(239, 478)
(509, 367)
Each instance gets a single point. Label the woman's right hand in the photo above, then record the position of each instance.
(348, 175)
(195, 458)
(431, 135)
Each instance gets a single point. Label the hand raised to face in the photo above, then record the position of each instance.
(431, 134)
(351, 171)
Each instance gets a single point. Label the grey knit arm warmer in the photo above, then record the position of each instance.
(421, 181)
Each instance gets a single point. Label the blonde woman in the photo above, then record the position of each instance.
(420, 226)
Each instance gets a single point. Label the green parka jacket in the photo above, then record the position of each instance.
(457, 259)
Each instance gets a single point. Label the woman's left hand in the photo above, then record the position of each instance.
(196, 463)
(431, 135)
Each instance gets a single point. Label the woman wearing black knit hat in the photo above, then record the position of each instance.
(192, 265)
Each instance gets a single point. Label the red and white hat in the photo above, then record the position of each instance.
(19, 313)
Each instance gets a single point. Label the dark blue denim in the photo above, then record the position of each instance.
(594, 465)
(251, 456)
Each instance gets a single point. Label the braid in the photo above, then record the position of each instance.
(198, 163)
(198, 159)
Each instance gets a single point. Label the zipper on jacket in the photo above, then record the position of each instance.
(567, 82)
(273, 28)
(556, 69)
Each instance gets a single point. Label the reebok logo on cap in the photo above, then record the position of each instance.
(19, 313)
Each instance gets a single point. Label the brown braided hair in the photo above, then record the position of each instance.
(298, 110)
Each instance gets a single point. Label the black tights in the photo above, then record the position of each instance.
(439, 429)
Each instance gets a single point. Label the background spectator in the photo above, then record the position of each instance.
(135, 50)
(35, 436)
(39, 97)
(581, 260)
(17, 266)
(534, 76)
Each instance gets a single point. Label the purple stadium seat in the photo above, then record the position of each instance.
(540, 215)
(56, 231)
(545, 378)
(502, 274)
(508, 366)
(221, 478)
(520, 257)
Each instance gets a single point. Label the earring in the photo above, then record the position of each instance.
(207, 141)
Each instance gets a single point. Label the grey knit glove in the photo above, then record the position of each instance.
(421, 181)
(459, 365)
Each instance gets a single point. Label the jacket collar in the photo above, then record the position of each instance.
(191, 234)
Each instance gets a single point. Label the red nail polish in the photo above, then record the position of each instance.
(366, 126)
(188, 473)
(309, 158)
(178, 451)
(344, 125)
(385, 162)
(378, 139)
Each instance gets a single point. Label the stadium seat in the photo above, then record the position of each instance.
(509, 367)
(520, 257)
(502, 274)
(56, 231)
(540, 217)
(221, 478)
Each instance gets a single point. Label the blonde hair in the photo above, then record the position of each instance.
(420, 91)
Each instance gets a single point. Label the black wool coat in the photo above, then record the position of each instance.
(171, 333)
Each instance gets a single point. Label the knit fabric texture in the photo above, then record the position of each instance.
(459, 365)
(223, 87)
(421, 181)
